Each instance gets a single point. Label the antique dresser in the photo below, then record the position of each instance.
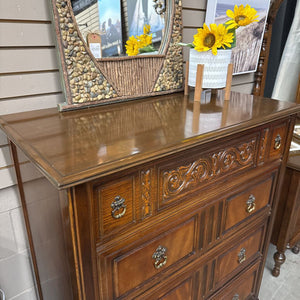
(158, 198)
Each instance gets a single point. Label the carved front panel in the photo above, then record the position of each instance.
(146, 193)
(207, 168)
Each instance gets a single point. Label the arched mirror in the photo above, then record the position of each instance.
(117, 50)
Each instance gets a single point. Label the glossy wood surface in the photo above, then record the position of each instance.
(76, 146)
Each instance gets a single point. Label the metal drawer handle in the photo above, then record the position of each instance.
(277, 143)
(242, 255)
(160, 257)
(118, 205)
(236, 297)
(250, 204)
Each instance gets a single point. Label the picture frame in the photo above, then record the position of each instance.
(249, 39)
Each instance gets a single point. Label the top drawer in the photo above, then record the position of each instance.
(115, 204)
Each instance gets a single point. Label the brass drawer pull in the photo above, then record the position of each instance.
(118, 205)
(236, 297)
(277, 143)
(242, 255)
(160, 257)
(250, 204)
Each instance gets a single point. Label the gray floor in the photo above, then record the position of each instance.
(287, 285)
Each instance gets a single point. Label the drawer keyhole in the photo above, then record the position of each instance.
(236, 297)
(242, 255)
(118, 208)
(277, 143)
(160, 257)
(250, 204)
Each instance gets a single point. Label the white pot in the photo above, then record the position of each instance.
(215, 68)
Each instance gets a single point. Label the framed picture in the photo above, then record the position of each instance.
(249, 38)
(110, 27)
(141, 12)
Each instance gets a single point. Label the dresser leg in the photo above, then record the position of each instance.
(296, 249)
(279, 259)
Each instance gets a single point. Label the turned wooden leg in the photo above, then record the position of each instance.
(279, 259)
(296, 249)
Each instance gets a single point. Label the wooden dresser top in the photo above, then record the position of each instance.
(76, 146)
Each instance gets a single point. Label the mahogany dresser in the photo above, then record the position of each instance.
(159, 198)
(286, 230)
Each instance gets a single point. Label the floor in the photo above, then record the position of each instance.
(287, 285)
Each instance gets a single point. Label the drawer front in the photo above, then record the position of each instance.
(278, 137)
(182, 291)
(247, 203)
(115, 202)
(241, 288)
(240, 255)
(198, 169)
(130, 268)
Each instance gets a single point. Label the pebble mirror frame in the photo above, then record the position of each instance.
(89, 82)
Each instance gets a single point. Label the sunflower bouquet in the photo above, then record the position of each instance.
(141, 43)
(223, 36)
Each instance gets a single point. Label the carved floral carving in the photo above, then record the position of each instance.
(208, 167)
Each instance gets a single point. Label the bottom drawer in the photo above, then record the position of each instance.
(240, 288)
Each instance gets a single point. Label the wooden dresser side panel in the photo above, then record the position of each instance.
(47, 219)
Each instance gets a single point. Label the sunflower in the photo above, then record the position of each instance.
(132, 46)
(241, 16)
(213, 38)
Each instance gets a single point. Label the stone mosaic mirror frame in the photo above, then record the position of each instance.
(89, 82)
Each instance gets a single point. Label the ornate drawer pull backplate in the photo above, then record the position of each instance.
(277, 143)
(118, 208)
(250, 204)
(242, 255)
(160, 257)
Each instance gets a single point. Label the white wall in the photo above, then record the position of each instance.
(29, 79)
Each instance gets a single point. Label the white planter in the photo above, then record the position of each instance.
(215, 68)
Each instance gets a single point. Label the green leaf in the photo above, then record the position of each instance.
(146, 49)
(190, 45)
(232, 30)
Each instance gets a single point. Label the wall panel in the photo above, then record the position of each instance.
(24, 10)
(15, 34)
(27, 60)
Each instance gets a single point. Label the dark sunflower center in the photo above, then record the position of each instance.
(239, 18)
(209, 40)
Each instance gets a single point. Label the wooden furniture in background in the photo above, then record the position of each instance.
(136, 202)
(261, 73)
(286, 232)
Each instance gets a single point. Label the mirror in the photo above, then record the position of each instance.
(91, 37)
(106, 25)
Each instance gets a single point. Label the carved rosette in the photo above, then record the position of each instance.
(208, 167)
(146, 188)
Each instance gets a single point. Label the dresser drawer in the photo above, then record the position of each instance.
(278, 139)
(141, 262)
(246, 203)
(114, 202)
(241, 287)
(183, 175)
(240, 255)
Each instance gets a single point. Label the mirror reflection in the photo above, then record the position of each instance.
(113, 28)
